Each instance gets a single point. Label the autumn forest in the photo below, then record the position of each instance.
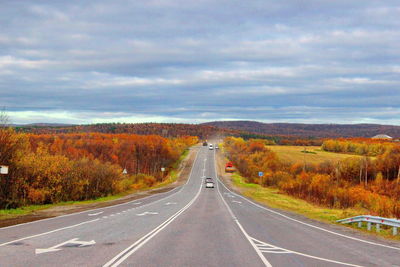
(50, 168)
(56, 164)
(370, 182)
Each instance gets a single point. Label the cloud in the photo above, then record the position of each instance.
(12, 62)
(193, 61)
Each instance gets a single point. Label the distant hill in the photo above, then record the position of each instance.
(309, 130)
(247, 129)
(162, 129)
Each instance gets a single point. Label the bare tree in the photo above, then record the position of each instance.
(366, 171)
(4, 118)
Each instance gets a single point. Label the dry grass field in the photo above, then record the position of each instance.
(314, 154)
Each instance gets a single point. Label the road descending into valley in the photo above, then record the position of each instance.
(190, 226)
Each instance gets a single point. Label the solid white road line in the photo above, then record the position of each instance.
(80, 212)
(82, 223)
(45, 233)
(122, 256)
(259, 253)
(310, 225)
(261, 250)
(109, 207)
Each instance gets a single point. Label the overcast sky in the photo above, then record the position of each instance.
(311, 61)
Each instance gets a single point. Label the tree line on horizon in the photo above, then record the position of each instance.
(309, 131)
(359, 146)
(162, 129)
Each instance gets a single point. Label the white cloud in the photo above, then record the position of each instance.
(361, 80)
(10, 61)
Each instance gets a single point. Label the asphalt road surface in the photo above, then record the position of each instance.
(189, 226)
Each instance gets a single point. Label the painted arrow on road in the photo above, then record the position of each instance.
(147, 213)
(170, 203)
(74, 241)
(237, 201)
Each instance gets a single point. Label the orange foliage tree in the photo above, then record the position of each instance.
(51, 168)
(354, 182)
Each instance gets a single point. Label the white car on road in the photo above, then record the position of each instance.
(210, 185)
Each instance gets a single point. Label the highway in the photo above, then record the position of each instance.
(190, 226)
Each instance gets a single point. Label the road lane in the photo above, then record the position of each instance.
(205, 235)
(15, 232)
(287, 242)
(193, 226)
(113, 230)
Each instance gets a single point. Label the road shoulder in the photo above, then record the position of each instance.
(332, 226)
(59, 210)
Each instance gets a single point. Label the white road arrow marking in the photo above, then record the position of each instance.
(136, 203)
(147, 213)
(94, 214)
(170, 203)
(237, 201)
(58, 247)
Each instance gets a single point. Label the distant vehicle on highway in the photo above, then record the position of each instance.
(210, 147)
(216, 147)
(205, 143)
(229, 167)
(208, 179)
(210, 185)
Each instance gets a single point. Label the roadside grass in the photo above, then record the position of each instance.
(274, 199)
(271, 197)
(174, 173)
(172, 177)
(13, 213)
(312, 154)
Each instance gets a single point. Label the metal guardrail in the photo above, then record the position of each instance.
(378, 221)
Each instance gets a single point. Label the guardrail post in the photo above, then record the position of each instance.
(374, 221)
